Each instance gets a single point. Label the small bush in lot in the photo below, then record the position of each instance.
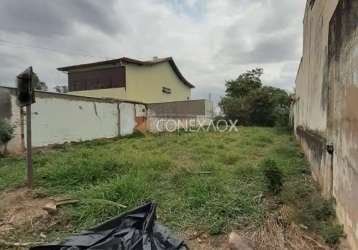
(273, 176)
(6, 133)
(311, 209)
(318, 213)
(332, 234)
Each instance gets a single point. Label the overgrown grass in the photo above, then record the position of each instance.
(201, 181)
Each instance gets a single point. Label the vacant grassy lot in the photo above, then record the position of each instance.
(210, 182)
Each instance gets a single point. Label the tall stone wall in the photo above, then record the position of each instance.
(326, 114)
(342, 126)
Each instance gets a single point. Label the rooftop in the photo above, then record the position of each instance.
(126, 60)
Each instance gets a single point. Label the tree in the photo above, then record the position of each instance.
(6, 134)
(236, 109)
(251, 103)
(38, 84)
(61, 89)
(41, 86)
(244, 84)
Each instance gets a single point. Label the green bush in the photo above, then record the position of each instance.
(281, 115)
(6, 133)
(332, 234)
(273, 176)
(253, 104)
(311, 209)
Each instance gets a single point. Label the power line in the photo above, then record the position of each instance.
(68, 52)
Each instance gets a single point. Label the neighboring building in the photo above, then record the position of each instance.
(325, 109)
(158, 80)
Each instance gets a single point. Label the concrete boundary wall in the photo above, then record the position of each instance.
(325, 109)
(181, 114)
(61, 118)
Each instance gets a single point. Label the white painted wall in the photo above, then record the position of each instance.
(127, 118)
(59, 120)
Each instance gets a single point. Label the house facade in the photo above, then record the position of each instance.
(155, 81)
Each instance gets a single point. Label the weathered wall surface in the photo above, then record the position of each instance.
(326, 104)
(58, 118)
(343, 113)
(127, 118)
(183, 108)
(5, 104)
(174, 115)
(10, 111)
(312, 78)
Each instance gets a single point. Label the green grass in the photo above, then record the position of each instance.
(201, 181)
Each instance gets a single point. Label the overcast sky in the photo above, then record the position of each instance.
(210, 40)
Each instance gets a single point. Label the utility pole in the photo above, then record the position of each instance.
(29, 147)
(25, 98)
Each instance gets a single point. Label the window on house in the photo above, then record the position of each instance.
(167, 91)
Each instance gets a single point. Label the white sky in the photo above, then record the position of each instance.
(210, 40)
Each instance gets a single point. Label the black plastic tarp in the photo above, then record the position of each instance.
(134, 230)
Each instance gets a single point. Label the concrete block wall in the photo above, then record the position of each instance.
(325, 111)
(182, 115)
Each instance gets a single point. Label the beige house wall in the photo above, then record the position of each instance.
(145, 83)
(115, 93)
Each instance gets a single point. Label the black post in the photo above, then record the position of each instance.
(26, 97)
(29, 147)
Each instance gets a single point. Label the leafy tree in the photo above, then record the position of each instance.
(61, 89)
(41, 86)
(236, 109)
(38, 84)
(253, 104)
(6, 133)
(244, 84)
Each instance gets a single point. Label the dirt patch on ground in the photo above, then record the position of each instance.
(277, 233)
(19, 208)
(27, 217)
